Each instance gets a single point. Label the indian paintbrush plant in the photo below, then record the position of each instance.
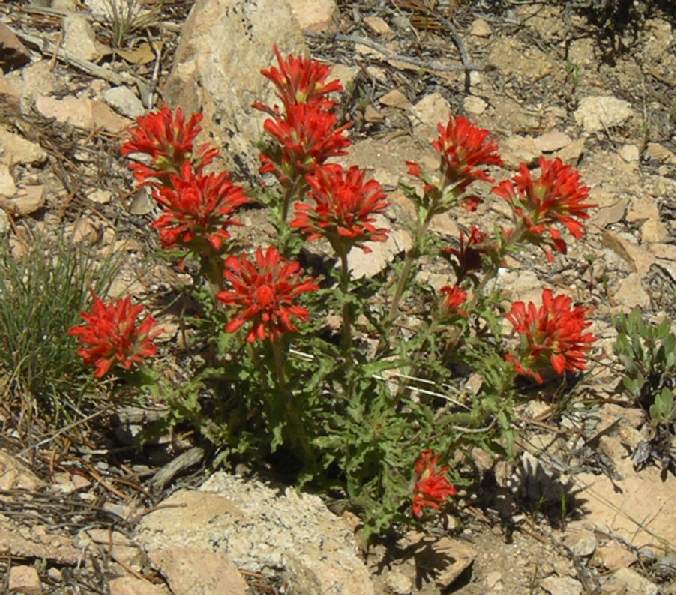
(333, 400)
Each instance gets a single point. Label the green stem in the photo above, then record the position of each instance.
(278, 363)
(411, 256)
(212, 268)
(346, 329)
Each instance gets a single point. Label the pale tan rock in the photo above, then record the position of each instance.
(571, 153)
(561, 585)
(85, 231)
(642, 208)
(597, 113)
(82, 112)
(16, 149)
(101, 197)
(314, 16)
(24, 579)
(480, 28)
(260, 529)
(509, 115)
(364, 265)
(379, 26)
(371, 114)
(514, 58)
(56, 548)
(14, 474)
(431, 110)
(4, 222)
(79, 39)
(630, 294)
(395, 98)
(129, 585)
(664, 251)
(190, 571)
(445, 224)
(208, 76)
(116, 544)
(581, 543)
(36, 79)
(639, 508)
(377, 73)
(610, 207)
(399, 584)
(660, 153)
(7, 185)
(516, 150)
(626, 581)
(614, 557)
(125, 101)
(630, 153)
(654, 230)
(448, 557)
(638, 257)
(520, 285)
(29, 199)
(347, 75)
(552, 141)
(474, 105)
(9, 90)
(611, 446)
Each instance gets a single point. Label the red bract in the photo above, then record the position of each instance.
(467, 257)
(432, 487)
(557, 196)
(465, 151)
(306, 137)
(111, 335)
(301, 80)
(552, 336)
(343, 209)
(454, 297)
(265, 292)
(168, 140)
(198, 206)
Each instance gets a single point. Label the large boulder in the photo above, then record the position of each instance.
(261, 529)
(223, 47)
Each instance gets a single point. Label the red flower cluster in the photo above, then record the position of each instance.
(552, 336)
(112, 335)
(465, 150)
(305, 133)
(168, 141)
(454, 297)
(557, 196)
(432, 487)
(343, 209)
(466, 257)
(306, 137)
(198, 205)
(265, 292)
(301, 80)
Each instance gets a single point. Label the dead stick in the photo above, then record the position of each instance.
(414, 61)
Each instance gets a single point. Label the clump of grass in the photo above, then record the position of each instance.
(124, 17)
(41, 297)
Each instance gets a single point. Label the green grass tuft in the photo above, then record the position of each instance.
(41, 297)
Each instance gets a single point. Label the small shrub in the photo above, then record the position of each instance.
(41, 297)
(272, 378)
(648, 354)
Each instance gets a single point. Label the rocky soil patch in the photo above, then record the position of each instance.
(86, 513)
